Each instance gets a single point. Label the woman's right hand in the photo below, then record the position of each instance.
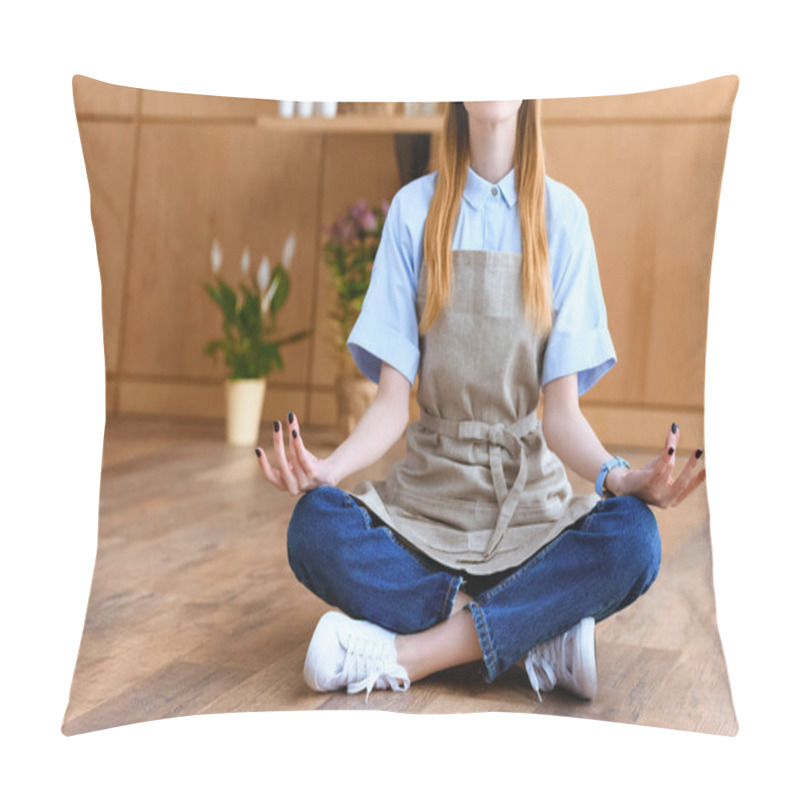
(302, 471)
(381, 425)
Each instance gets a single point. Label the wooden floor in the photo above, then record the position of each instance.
(194, 610)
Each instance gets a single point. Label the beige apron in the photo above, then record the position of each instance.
(478, 489)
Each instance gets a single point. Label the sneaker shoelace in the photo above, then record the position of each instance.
(368, 664)
(542, 664)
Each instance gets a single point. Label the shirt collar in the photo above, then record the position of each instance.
(478, 189)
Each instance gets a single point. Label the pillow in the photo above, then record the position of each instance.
(193, 608)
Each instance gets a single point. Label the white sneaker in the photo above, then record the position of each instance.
(351, 653)
(567, 661)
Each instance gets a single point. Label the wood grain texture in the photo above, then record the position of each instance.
(96, 97)
(620, 426)
(171, 105)
(353, 169)
(711, 99)
(201, 183)
(357, 123)
(108, 151)
(193, 608)
(652, 203)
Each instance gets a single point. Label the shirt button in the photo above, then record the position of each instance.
(494, 191)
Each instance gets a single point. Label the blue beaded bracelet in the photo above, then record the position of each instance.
(604, 470)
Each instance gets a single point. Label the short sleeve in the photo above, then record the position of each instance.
(579, 341)
(386, 329)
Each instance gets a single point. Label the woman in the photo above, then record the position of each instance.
(475, 547)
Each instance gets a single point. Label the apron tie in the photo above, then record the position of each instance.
(497, 437)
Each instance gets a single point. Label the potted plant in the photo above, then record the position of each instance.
(250, 347)
(350, 251)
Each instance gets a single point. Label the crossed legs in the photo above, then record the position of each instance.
(348, 558)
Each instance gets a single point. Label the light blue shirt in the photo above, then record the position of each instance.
(387, 327)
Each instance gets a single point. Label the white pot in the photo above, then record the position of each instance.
(305, 108)
(244, 399)
(285, 108)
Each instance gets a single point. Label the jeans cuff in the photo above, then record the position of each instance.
(450, 596)
(491, 667)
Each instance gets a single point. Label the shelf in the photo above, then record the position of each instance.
(352, 124)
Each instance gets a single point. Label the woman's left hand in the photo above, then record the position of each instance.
(653, 482)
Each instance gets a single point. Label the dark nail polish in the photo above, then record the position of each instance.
(698, 453)
(294, 434)
(291, 417)
(671, 450)
(276, 425)
(674, 428)
(258, 453)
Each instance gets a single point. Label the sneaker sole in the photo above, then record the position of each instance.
(585, 670)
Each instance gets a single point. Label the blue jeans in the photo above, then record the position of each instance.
(600, 564)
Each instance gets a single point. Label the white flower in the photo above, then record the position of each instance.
(273, 287)
(216, 256)
(288, 251)
(245, 260)
(263, 274)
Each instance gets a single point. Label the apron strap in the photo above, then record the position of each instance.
(497, 436)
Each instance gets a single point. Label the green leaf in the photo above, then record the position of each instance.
(213, 346)
(269, 357)
(282, 292)
(250, 313)
(214, 295)
(287, 339)
(228, 301)
(248, 353)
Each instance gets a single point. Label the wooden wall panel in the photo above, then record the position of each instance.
(621, 216)
(321, 405)
(356, 167)
(205, 400)
(621, 427)
(108, 150)
(95, 97)
(240, 185)
(653, 222)
(675, 363)
(702, 100)
(177, 104)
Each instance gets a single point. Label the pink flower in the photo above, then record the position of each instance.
(349, 231)
(358, 212)
(357, 223)
(369, 221)
(344, 226)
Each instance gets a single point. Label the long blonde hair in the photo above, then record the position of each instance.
(446, 202)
